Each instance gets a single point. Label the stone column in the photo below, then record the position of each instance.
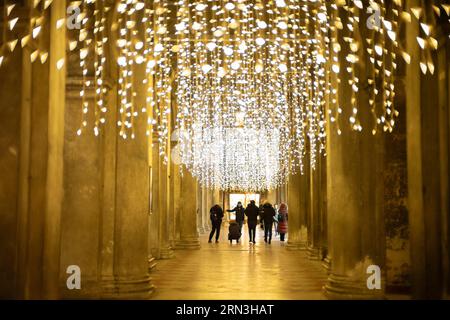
(85, 200)
(206, 206)
(154, 238)
(165, 250)
(315, 230)
(354, 196)
(427, 163)
(125, 222)
(175, 198)
(125, 274)
(130, 269)
(153, 230)
(325, 255)
(165, 197)
(188, 214)
(32, 137)
(200, 209)
(161, 248)
(296, 239)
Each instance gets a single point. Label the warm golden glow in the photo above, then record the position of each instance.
(235, 71)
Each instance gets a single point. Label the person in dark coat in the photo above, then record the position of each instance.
(261, 216)
(240, 216)
(252, 212)
(268, 218)
(216, 216)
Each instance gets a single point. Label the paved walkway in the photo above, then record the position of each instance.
(239, 271)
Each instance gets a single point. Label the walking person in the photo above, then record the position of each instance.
(282, 221)
(240, 216)
(216, 216)
(268, 218)
(261, 216)
(275, 220)
(252, 212)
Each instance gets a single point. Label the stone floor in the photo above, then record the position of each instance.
(239, 271)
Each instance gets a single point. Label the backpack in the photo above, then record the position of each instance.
(281, 217)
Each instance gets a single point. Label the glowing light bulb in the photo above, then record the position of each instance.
(259, 67)
(228, 51)
(206, 68)
(229, 6)
(235, 65)
(261, 24)
(211, 46)
(260, 41)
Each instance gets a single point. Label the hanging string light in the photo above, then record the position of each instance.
(240, 71)
(262, 62)
(91, 42)
(37, 24)
(10, 36)
(7, 45)
(236, 158)
(143, 37)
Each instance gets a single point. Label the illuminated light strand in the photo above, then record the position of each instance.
(7, 45)
(84, 41)
(92, 40)
(249, 77)
(250, 65)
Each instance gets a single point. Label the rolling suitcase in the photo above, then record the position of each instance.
(234, 233)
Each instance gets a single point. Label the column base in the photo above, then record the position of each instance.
(314, 253)
(90, 289)
(151, 263)
(136, 288)
(165, 252)
(340, 287)
(326, 264)
(296, 245)
(187, 244)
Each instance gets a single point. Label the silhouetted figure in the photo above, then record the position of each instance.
(240, 216)
(252, 212)
(275, 220)
(261, 215)
(268, 218)
(216, 216)
(282, 221)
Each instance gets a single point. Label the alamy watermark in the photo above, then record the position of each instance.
(374, 280)
(73, 17)
(74, 21)
(374, 20)
(74, 280)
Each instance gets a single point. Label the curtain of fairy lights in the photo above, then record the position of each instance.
(257, 65)
(255, 82)
(234, 158)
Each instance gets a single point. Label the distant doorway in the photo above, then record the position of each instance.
(244, 198)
